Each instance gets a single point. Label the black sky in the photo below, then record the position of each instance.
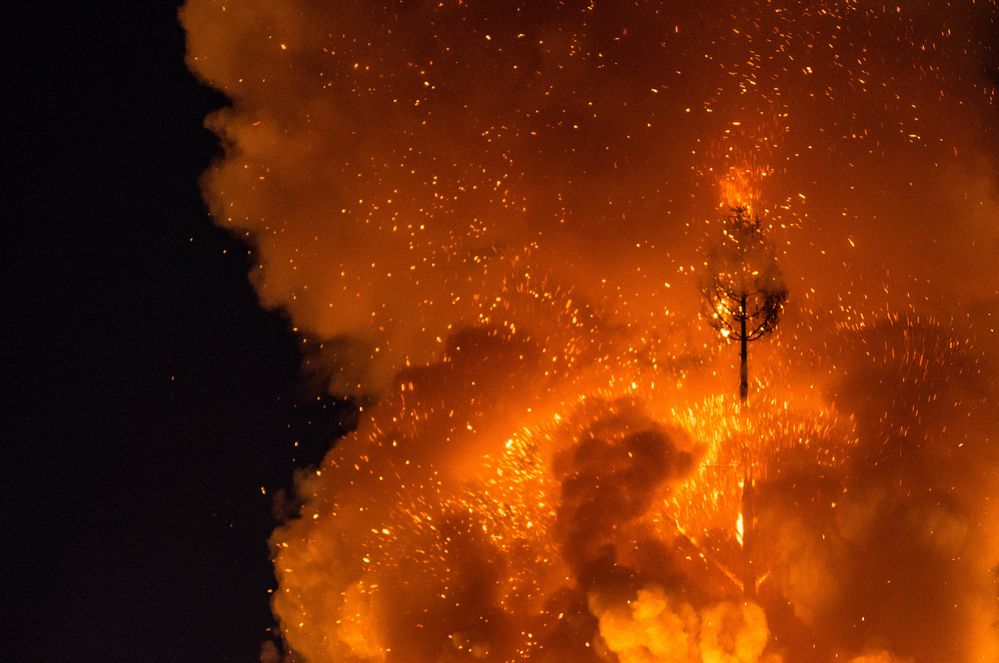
(148, 396)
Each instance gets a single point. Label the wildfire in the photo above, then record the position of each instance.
(492, 225)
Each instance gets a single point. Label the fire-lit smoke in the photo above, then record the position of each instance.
(491, 220)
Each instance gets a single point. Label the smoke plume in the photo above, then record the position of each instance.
(489, 221)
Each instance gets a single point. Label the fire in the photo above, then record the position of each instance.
(742, 187)
(488, 226)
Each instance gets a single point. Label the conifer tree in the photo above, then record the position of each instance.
(744, 290)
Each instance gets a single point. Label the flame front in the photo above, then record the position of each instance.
(487, 222)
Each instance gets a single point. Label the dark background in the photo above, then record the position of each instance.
(147, 396)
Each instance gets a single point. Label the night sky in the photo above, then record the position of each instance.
(148, 396)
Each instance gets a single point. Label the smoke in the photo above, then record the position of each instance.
(879, 657)
(649, 630)
(489, 220)
(383, 160)
(610, 479)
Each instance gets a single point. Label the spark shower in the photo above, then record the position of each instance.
(489, 223)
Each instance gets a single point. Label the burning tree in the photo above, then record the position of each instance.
(744, 290)
(745, 296)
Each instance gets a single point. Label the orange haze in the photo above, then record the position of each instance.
(490, 221)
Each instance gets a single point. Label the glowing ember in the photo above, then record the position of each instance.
(488, 221)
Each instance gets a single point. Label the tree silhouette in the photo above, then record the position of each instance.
(744, 289)
(745, 294)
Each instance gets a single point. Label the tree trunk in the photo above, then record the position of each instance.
(748, 533)
(748, 506)
(744, 356)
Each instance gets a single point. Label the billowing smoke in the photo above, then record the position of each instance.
(649, 630)
(490, 220)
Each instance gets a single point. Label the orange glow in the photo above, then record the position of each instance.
(741, 187)
(490, 224)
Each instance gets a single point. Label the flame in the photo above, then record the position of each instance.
(741, 187)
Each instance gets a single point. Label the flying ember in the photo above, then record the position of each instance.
(674, 324)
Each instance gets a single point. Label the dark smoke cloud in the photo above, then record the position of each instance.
(610, 476)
